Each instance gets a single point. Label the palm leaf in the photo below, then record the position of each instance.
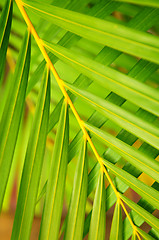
(137, 159)
(32, 165)
(5, 26)
(112, 35)
(105, 53)
(153, 3)
(56, 182)
(75, 220)
(117, 82)
(116, 228)
(11, 117)
(97, 225)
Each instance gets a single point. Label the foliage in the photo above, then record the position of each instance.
(79, 117)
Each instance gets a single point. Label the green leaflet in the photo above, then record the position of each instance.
(105, 32)
(132, 123)
(33, 164)
(76, 213)
(147, 192)
(81, 80)
(12, 114)
(56, 181)
(103, 9)
(5, 26)
(139, 71)
(132, 155)
(116, 227)
(98, 219)
(148, 217)
(154, 233)
(134, 237)
(144, 234)
(105, 56)
(123, 85)
(150, 3)
(42, 192)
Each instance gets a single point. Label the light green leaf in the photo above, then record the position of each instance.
(76, 213)
(42, 193)
(102, 10)
(150, 3)
(11, 118)
(107, 56)
(123, 85)
(56, 181)
(33, 164)
(148, 217)
(132, 123)
(148, 193)
(134, 237)
(5, 27)
(117, 225)
(144, 234)
(104, 32)
(132, 155)
(98, 219)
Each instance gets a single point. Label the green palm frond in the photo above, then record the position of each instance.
(79, 129)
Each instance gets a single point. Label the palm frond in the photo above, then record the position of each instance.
(94, 134)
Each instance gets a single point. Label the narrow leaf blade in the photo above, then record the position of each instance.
(5, 27)
(148, 217)
(117, 225)
(104, 32)
(123, 85)
(132, 155)
(76, 214)
(97, 225)
(56, 182)
(33, 164)
(137, 126)
(10, 122)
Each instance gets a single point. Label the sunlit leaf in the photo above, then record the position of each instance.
(56, 181)
(132, 155)
(33, 164)
(11, 118)
(107, 33)
(148, 217)
(116, 227)
(123, 85)
(139, 127)
(151, 3)
(97, 225)
(5, 27)
(76, 213)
